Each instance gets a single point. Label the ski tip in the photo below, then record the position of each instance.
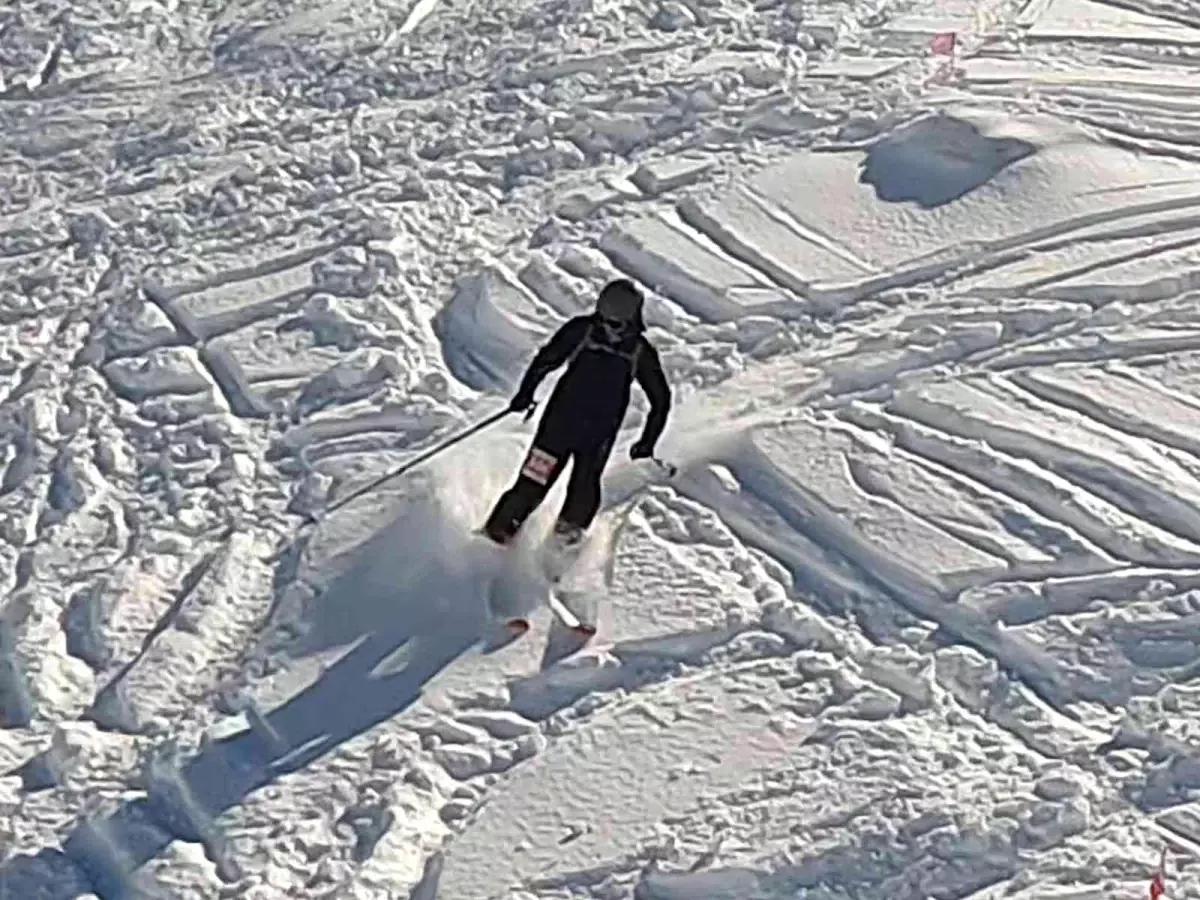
(517, 626)
(484, 536)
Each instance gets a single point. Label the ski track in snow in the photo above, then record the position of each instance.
(924, 619)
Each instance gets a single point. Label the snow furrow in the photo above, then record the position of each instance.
(110, 707)
(1119, 403)
(1112, 531)
(1127, 474)
(921, 599)
(917, 616)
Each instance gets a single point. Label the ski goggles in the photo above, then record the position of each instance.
(615, 325)
(614, 330)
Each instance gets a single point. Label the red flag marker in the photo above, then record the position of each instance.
(1158, 884)
(943, 44)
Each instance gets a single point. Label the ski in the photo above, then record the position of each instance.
(559, 556)
(562, 643)
(516, 625)
(504, 624)
(568, 618)
(500, 632)
(544, 570)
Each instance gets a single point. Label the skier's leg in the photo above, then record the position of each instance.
(538, 474)
(583, 490)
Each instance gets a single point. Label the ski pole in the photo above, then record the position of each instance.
(412, 463)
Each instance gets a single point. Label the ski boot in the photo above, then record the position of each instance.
(567, 534)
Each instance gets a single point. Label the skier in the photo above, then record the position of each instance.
(604, 352)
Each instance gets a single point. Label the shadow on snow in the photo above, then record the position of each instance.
(381, 605)
(937, 160)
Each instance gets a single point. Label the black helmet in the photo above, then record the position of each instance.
(620, 301)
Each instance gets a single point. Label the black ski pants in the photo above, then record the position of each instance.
(547, 458)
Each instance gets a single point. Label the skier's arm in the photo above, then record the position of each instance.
(552, 354)
(652, 380)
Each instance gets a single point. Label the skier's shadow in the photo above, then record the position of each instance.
(409, 603)
(345, 701)
(423, 615)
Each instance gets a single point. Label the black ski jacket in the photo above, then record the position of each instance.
(589, 402)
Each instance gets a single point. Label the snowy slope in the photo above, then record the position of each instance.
(919, 615)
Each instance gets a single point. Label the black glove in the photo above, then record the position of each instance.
(521, 402)
(643, 449)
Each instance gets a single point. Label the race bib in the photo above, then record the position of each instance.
(539, 465)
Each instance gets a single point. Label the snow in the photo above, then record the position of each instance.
(916, 617)
(1064, 19)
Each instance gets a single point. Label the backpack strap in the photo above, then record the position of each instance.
(583, 342)
(589, 342)
(633, 357)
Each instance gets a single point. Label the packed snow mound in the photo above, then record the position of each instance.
(955, 189)
(490, 328)
(938, 159)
